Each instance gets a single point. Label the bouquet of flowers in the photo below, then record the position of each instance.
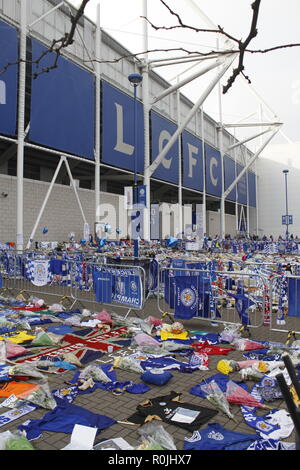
(217, 398)
(239, 396)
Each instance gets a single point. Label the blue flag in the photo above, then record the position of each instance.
(103, 286)
(242, 303)
(186, 297)
(293, 297)
(153, 275)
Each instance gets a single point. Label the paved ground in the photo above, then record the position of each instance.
(122, 406)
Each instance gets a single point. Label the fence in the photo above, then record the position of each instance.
(73, 280)
(220, 297)
(285, 304)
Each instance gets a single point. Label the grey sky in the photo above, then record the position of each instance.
(276, 75)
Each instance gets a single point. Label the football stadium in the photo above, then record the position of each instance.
(149, 256)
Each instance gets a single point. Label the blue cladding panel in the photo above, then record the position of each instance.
(252, 188)
(8, 79)
(192, 161)
(62, 106)
(229, 175)
(118, 130)
(213, 171)
(161, 131)
(242, 186)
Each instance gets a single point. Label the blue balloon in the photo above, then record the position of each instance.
(82, 241)
(118, 230)
(45, 230)
(171, 241)
(102, 242)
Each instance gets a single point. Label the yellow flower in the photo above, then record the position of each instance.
(224, 366)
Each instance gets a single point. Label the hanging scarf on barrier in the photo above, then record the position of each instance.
(281, 288)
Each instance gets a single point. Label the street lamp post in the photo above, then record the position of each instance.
(135, 79)
(285, 172)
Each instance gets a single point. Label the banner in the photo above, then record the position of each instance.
(118, 130)
(192, 161)
(154, 222)
(200, 215)
(8, 79)
(229, 177)
(161, 132)
(293, 297)
(128, 197)
(123, 286)
(241, 186)
(86, 231)
(141, 200)
(252, 188)
(62, 106)
(213, 171)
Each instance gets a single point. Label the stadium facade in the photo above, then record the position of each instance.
(80, 116)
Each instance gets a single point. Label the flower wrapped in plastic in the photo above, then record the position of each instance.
(128, 363)
(42, 397)
(217, 398)
(244, 344)
(155, 437)
(239, 396)
(230, 333)
(95, 373)
(25, 370)
(250, 373)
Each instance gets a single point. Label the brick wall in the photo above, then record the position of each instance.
(61, 215)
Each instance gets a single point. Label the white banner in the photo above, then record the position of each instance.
(200, 220)
(128, 200)
(86, 231)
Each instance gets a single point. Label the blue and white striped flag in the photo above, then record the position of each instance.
(38, 272)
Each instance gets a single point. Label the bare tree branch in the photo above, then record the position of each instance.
(220, 30)
(63, 42)
(243, 46)
(177, 49)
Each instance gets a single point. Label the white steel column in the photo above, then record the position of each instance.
(146, 106)
(227, 62)
(250, 162)
(62, 159)
(221, 148)
(21, 123)
(97, 117)
(181, 230)
(204, 171)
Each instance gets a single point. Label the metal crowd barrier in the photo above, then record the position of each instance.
(285, 300)
(115, 285)
(73, 280)
(32, 275)
(213, 296)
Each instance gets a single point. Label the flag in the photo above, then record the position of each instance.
(38, 272)
(186, 297)
(153, 275)
(242, 303)
(103, 286)
(293, 297)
